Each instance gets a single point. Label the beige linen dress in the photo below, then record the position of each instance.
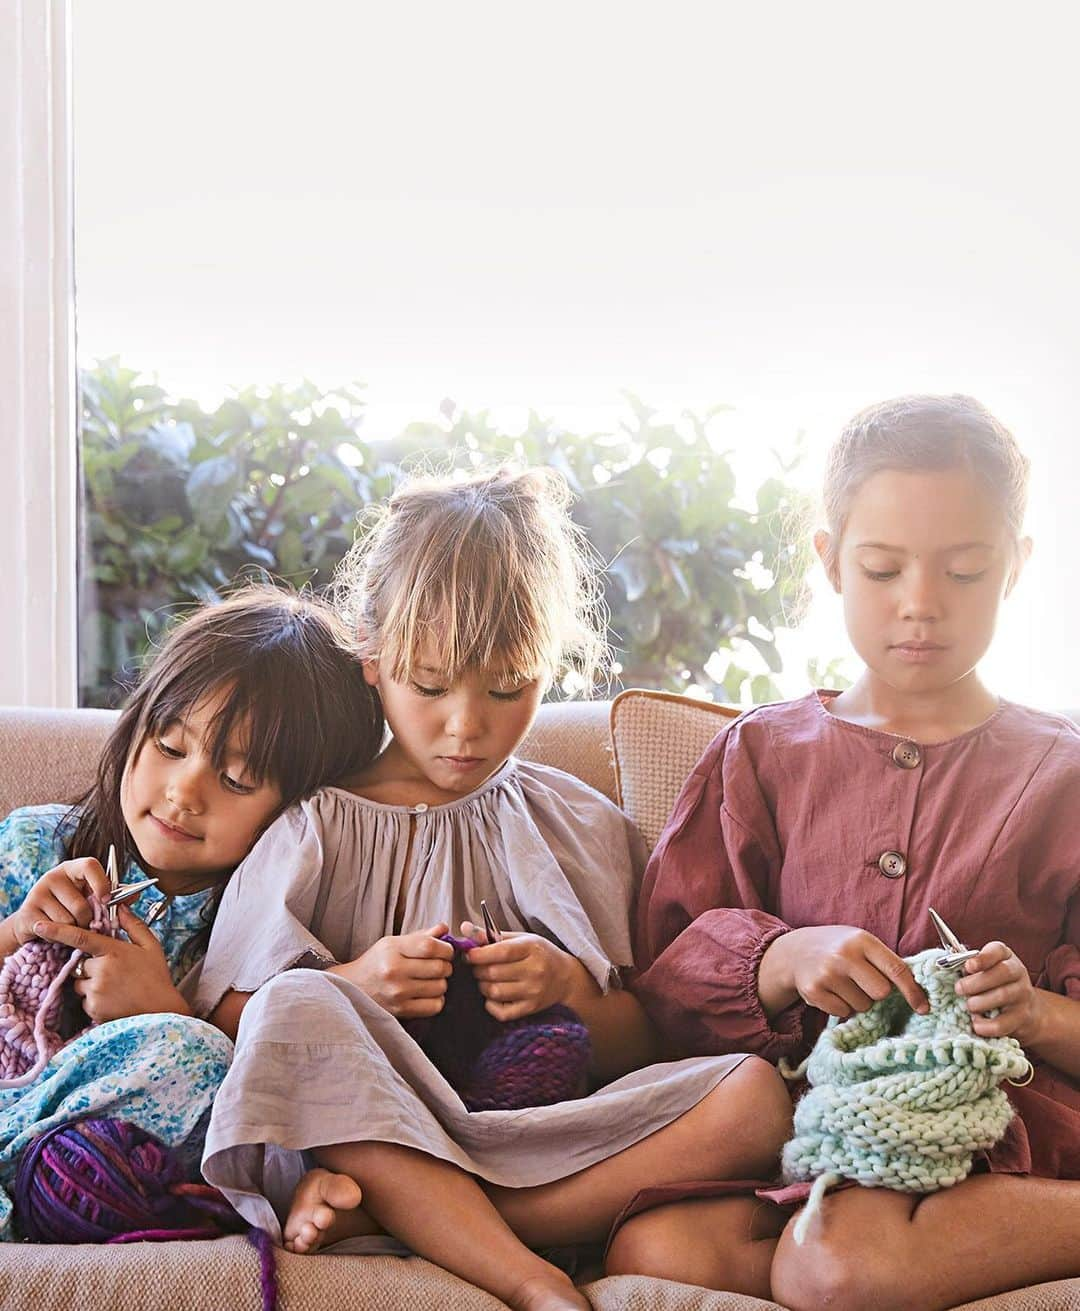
(318, 1062)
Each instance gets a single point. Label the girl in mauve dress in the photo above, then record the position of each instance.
(468, 599)
(797, 867)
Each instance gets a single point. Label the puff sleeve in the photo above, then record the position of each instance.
(703, 919)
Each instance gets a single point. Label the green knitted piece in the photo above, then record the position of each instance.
(902, 1100)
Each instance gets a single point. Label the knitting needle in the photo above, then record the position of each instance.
(955, 951)
(494, 934)
(128, 892)
(114, 883)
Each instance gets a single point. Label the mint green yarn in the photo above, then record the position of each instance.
(902, 1100)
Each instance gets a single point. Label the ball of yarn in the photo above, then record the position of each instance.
(107, 1181)
(95, 1181)
(502, 1066)
(902, 1100)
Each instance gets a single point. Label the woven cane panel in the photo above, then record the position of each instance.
(658, 739)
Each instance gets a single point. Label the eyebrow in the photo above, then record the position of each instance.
(900, 550)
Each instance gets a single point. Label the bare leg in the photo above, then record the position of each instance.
(443, 1214)
(896, 1252)
(666, 1243)
(735, 1132)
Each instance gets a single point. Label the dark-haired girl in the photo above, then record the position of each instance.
(249, 706)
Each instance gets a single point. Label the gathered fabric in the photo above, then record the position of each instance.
(898, 1099)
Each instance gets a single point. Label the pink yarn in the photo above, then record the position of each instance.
(31, 1001)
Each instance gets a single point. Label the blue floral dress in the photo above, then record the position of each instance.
(157, 1071)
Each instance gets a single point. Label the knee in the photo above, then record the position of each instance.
(842, 1273)
(753, 1107)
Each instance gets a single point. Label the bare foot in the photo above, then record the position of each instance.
(554, 1292)
(324, 1210)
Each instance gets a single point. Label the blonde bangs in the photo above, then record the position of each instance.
(488, 574)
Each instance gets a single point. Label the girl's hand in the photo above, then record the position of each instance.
(60, 897)
(837, 968)
(119, 978)
(997, 979)
(520, 975)
(405, 973)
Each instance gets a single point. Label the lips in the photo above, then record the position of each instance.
(172, 830)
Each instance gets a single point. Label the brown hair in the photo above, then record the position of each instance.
(293, 686)
(914, 433)
(489, 570)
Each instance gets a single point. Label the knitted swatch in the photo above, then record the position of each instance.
(106, 1181)
(32, 1028)
(901, 1100)
(500, 1066)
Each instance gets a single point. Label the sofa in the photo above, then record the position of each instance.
(637, 749)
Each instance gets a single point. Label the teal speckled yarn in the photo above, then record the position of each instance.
(901, 1100)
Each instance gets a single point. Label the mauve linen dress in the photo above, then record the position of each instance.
(317, 1062)
(794, 817)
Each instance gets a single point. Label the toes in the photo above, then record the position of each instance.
(341, 1192)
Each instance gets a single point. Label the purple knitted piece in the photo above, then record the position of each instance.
(497, 1066)
(106, 1181)
(32, 1003)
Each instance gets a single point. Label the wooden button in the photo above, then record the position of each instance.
(892, 864)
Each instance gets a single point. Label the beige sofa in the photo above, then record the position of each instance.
(49, 756)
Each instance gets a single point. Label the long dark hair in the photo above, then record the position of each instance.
(292, 683)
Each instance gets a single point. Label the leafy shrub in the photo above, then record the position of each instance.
(181, 501)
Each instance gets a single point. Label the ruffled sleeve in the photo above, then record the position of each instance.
(573, 863)
(703, 921)
(261, 928)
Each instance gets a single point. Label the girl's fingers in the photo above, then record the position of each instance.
(424, 946)
(76, 905)
(71, 935)
(428, 969)
(420, 990)
(994, 953)
(502, 953)
(474, 931)
(871, 981)
(421, 1009)
(899, 974)
(998, 976)
(503, 1011)
(48, 908)
(995, 999)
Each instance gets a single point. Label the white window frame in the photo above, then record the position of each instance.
(38, 516)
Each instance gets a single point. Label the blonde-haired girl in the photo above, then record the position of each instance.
(469, 599)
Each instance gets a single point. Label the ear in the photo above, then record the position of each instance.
(371, 672)
(1023, 554)
(826, 549)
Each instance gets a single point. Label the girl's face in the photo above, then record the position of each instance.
(192, 823)
(923, 564)
(454, 735)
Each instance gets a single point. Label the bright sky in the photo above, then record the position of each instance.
(795, 209)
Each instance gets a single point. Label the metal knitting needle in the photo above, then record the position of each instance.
(955, 951)
(128, 892)
(494, 934)
(114, 883)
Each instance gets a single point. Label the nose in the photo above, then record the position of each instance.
(184, 788)
(920, 601)
(465, 722)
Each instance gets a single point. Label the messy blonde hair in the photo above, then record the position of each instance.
(488, 570)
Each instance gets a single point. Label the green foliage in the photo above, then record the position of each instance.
(180, 502)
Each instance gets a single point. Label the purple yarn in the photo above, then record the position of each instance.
(107, 1181)
(502, 1066)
